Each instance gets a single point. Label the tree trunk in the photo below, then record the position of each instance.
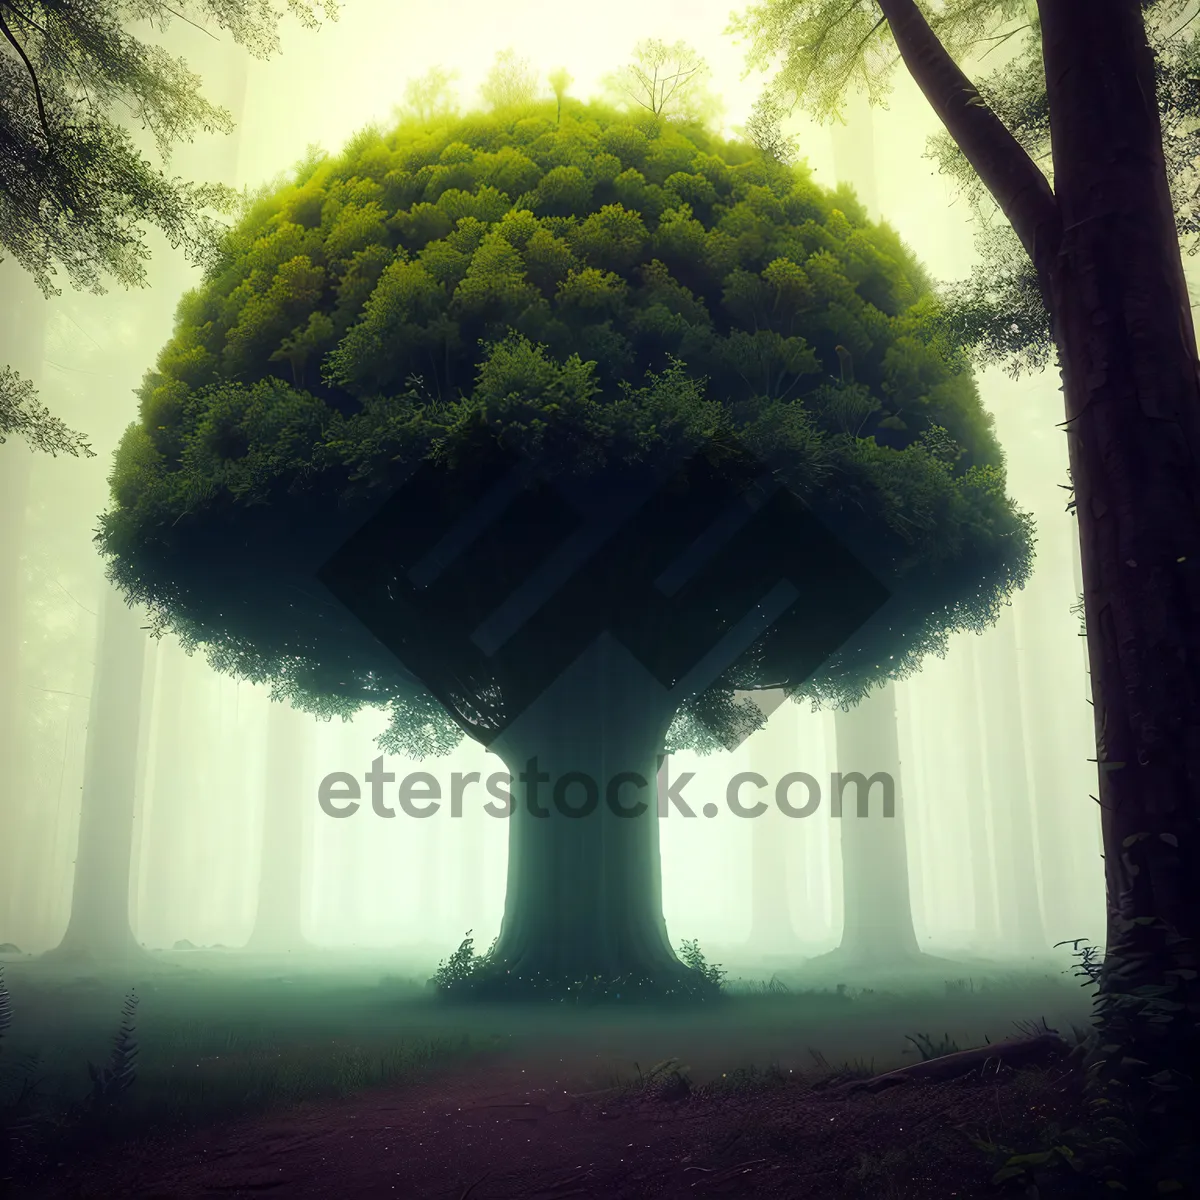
(1087, 710)
(99, 928)
(817, 835)
(877, 907)
(138, 848)
(584, 892)
(470, 850)
(983, 860)
(1127, 348)
(909, 713)
(772, 754)
(429, 909)
(278, 920)
(1015, 856)
(170, 793)
(23, 322)
(1106, 249)
(1047, 635)
(877, 915)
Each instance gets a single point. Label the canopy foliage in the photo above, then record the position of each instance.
(823, 48)
(580, 289)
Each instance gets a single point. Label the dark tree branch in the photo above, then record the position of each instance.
(1017, 185)
(37, 87)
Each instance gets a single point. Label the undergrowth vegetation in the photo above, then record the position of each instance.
(467, 974)
(29, 1118)
(181, 1073)
(1096, 1150)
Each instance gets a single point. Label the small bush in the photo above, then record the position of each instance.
(692, 957)
(463, 966)
(466, 974)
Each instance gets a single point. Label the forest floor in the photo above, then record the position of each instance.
(520, 1126)
(302, 1080)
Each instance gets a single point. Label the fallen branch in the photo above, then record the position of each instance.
(1017, 1052)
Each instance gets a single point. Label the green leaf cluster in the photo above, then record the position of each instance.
(581, 289)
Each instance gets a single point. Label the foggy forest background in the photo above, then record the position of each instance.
(995, 740)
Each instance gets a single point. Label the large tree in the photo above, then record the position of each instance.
(574, 341)
(77, 192)
(1069, 144)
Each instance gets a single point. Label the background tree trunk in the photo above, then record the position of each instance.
(877, 920)
(982, 844)
(99, 927)
(172, 795)
(22, 344)
(278, 922)
(431, 875)
(470, 851)
(772, 753)
(146, 709)
(1015, 853)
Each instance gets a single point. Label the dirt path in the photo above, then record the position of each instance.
(509, 1130)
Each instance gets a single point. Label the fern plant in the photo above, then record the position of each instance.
(19, 1096)
(110, 1082)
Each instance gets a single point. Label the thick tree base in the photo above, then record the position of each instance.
(487, 982)
(846, 966)
(98, 959)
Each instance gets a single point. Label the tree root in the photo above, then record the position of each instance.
(1016, 1052)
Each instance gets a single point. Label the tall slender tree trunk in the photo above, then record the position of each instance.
(909, 715)
(22, 344)
(99, 927)
(877, 913)
(1127, 347)
(877, 909)
(431, 877)
(1088, 708)
(1067, 848)
(469, 850)
(818, 834)
(983, 862)
(170, 790)
(1105, 246)
(146, 708)
(1015, 857)
(772, 751)
(278, 922)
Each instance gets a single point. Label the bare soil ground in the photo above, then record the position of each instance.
(518, 1126)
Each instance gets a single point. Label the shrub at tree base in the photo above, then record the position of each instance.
(584, 299)
(466, 975)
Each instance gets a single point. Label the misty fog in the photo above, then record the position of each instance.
(992, 746)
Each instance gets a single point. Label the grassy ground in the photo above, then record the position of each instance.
(220, 1038)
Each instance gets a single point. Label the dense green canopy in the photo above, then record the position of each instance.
(581, 290)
